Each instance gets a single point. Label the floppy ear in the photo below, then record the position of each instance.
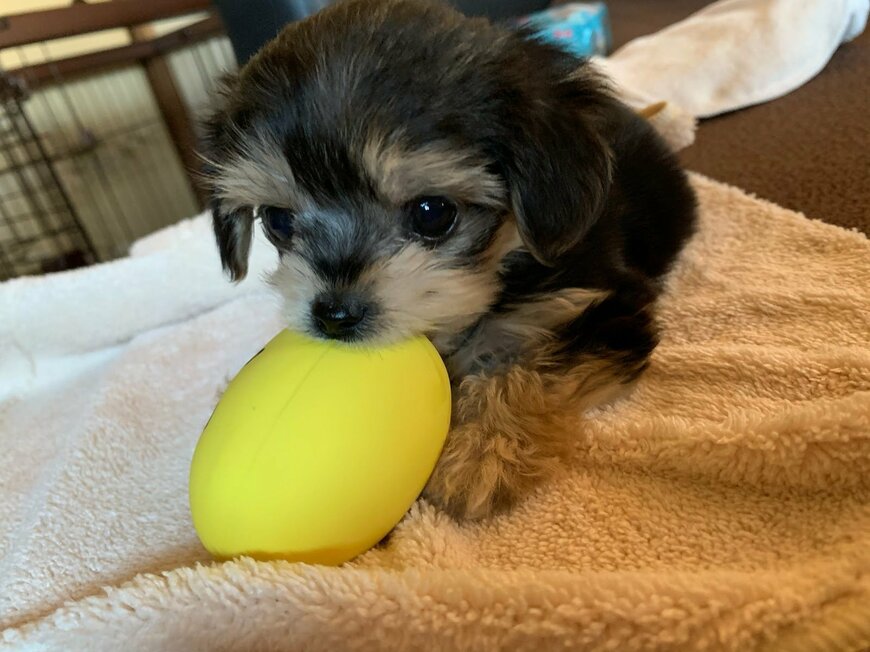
(233, 227)
(233, 231)
(559, 169)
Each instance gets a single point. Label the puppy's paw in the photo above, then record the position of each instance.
(481, 474)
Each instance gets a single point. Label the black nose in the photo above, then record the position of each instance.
(337, 318)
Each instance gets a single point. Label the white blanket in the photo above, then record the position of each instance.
(735, 53)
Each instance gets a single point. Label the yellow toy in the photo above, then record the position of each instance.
(318, 448)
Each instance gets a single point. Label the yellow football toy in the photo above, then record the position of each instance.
(318, 448)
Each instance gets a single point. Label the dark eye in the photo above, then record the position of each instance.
(278, 223)
(431, 217)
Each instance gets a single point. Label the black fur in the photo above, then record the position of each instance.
(233, 231)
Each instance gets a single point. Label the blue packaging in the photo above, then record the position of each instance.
(581, 28)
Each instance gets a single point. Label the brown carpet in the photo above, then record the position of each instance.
(808, 151)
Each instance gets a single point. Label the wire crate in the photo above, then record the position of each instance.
(98, 149)
(39, 228)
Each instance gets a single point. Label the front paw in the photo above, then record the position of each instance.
(479, 474)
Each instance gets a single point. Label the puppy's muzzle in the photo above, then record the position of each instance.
(338, 318)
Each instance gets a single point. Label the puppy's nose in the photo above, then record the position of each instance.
(337, 318)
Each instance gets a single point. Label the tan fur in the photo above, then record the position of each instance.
(443, 298)
(260, 176)
(401, 173)
(509, 430)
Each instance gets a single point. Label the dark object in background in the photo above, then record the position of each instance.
(250, 23)
(500, 9)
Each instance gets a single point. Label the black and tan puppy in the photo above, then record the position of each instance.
(423, 172)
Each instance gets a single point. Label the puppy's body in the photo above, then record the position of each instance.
(421, 172)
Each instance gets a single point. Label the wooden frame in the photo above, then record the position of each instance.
(82, 18)
(84, 64)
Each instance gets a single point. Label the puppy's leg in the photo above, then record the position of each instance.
(511, 428)
(506, 437)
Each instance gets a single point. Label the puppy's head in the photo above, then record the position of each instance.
(394, 152)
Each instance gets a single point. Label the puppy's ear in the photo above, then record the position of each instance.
(233, 227)
(559, 163)
(233, 231)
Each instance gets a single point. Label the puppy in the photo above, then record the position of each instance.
(423, 172)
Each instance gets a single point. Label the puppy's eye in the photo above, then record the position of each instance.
(431, 217)
(278, 222)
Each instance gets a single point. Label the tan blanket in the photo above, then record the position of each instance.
(725, 505)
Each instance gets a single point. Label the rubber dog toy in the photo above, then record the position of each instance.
(318, 448)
